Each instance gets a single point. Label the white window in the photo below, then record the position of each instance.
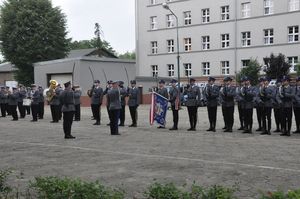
(245, 63)
(269, 36)
(205, 15)
(206, 68)
(153, 23)
(225, 67)
(293, 34)
(246, 39)
(293, 61)
(152, 2)
(171, 70)
(225, 41)
(268, 7)
(154, 47)
(225, 13)
(205, 43)
(187, 44)
(170, 21)
(154, 70)
(187, 18)
(188, 69)
(294, 5)
(170, 45)
(246, 10)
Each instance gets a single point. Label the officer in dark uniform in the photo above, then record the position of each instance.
(96, 101)
(286, 94)
(7, 106)
(240, 103)
(248, 94)
(133, 102)
(174, 99)
(114, 98)
(27, 108)
(68, 109)
(108, 88)
(227, 94)
(277, 107)
(123, 93)
(13, 98)
(297, 105)
(35, 99)
(258, 105)
(211, 97)
(163, 92)
(22, 95)
(41, 103)
(3, 101)
(77, 96)
(55, 105)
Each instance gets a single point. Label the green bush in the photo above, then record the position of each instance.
(294, 194)
(5, 189)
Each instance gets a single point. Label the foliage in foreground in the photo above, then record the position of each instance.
(292, 194)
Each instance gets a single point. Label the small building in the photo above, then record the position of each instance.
(7, 73)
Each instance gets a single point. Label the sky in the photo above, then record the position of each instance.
(116, 17)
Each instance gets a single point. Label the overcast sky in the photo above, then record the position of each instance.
(116, 18)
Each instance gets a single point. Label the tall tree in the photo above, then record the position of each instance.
(251, 71)
(85, 44)
(276, 66)
(32, 31)
(128, 55)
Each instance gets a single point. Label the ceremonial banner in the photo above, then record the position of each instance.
(158, 110)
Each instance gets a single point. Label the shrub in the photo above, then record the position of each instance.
(295, 194)
(5, 189)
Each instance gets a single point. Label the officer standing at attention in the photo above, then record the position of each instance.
(68, 109)
(163, 92)
(96, 95)
(174, 99)
(228, 94)
(114, 98)
(277, 106)
(240, 105)
(35, 99)
(297, 105)
(123, 93)
(22, 95)
(77, 95)
(133, 102)
(13, 98)
(108, 88)
(258, 105)
(7, 106)
(3, 101)
(211, 97)
(41, 103)
(55, 105)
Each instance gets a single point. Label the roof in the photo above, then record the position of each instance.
(7, 67)
(90, 52)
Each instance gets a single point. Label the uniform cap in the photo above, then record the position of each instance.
(173, 81)
(162, 81)
(97, 82)
(67, 84)
(267, 79)
(211, 79)
(121, 82)
(261, 79)
(33, 85)
(192, 80)
(109, 82)
(14, 88)
(226, 79)
(115, 82)
(286, 78)
(246, 79)
(132, 82)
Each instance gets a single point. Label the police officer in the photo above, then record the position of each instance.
(240, 103)
(41, 103)
(211, 97)
(163, 92)
(133, 102)
(13, 98)
(123, 93)
(192, 103)
(297, 105)
(22, 95)
(27, 108)
(108, 88)
(227, 94)
(248, 94)
(96, 101)
(286, 94)
(277, 107)
(113, 96)
(6, 104)
(258, 105)
(55, 105)
(77, 96)
(35, 99)
(174, 99)
(3, 101)
(68, 108)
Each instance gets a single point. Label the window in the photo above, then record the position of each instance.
(225, 13)
(246, 39)
(154, 47)
(205, 16)
(154, 70)
(187, 18)
(225, 67)
(170, 45)
(225, 40)
(152, 2)
(187, 44)
(246, 10)
(170, 21)
(206, 68)
(293, 61)
(171, 70)
(188, 69)
(205, 43)
(153, 23)
(268, 7)
(245, 63)
(294, 5)
(293, 34)
(269, 36)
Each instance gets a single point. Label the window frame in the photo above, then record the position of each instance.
(171, 70)
(206, 68)
(187, 45)
(187, 69)
(225, 67)
(154, 47)
(225, 41)
(246, 10)
(225, 16)
(205, 13)
(205, 42)
(269, 38)
(246, 41)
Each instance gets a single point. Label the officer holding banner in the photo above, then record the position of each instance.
(164, 93)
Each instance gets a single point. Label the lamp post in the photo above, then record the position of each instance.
(166, 6)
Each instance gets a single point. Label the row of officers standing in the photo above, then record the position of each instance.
(283, 98)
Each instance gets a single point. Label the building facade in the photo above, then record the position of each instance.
(216, 38)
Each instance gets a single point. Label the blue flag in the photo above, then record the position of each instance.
(158, 110)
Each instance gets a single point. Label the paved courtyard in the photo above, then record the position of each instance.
(140, 155)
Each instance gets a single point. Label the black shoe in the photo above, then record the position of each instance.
(228, 131)
(241, 128)
(264, 133)
(277, 131)
(41, 118)
(121, 125)
(22, 117)
(133, 125)
(97, 123)
(161, 127)
(173, 129)
(283, 134)
(69, 137)
(33, 120)
(191, 129)
(296, 132)
(14, 120)
(224, 128)
(77, 120)
(210, 129)
(246, 132)
(108, 124)
(116, 134)
(259, 129)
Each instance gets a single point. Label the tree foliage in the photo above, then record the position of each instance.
(32, 31)
(85, 44)
(276, 66)
(251, 71)
(298, 69)
(128, 55)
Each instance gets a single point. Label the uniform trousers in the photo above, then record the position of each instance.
(54, 112)
(259, 114)
(277, 116)
(229, 117)
(193, 112)
(133, 114)
(267, 118)
(287, 115)
(175, 117)
(67, 122)
(122, 115)
(78, 112)
(3, 110)
(248, 118)
(41, 110)
(13, 110)
(297, 118)
(21, 109)
(96, 112)
(34, 111)
(241, 115)
(212, 116)
(8, 109)
(114, 118)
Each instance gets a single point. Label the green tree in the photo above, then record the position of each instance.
(85, 44)
(276, 66)
(298, 69)
(251, 71)
(32, 31)
(128, 55)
